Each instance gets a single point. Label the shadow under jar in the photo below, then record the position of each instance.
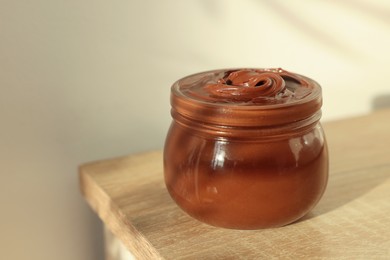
(245, 149)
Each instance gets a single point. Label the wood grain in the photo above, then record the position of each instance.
(352, 221)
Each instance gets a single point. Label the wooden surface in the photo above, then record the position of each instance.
(114, 248)
(352, 221)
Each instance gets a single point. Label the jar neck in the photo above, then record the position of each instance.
(251, 116)
(247, 132)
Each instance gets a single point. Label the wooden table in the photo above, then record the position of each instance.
(352, 221)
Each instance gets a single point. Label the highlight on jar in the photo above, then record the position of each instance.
(245, 149)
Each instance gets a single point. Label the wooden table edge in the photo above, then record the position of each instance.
(114, 218)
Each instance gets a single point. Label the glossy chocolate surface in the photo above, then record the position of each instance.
(245, 149)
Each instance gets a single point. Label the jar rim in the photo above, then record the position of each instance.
(267, 113)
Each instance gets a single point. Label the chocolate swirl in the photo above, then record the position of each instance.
(246, 97)
(247, 85)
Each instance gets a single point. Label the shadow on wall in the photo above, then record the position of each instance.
(381, 101)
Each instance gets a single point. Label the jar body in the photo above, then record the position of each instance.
(246, 183)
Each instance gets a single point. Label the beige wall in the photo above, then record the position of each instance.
(85, 80)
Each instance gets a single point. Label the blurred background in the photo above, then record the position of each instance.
(88, 80)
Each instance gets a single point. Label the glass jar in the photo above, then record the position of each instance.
(245, 149)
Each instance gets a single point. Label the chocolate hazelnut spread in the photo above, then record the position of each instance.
(245, 149)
